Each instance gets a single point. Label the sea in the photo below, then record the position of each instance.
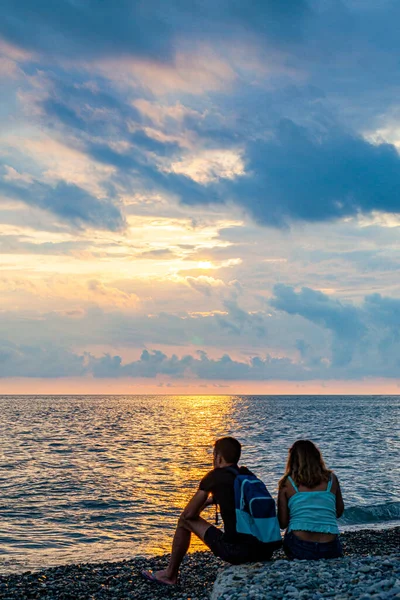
(103, 478)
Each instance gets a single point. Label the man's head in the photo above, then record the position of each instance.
(226, 452)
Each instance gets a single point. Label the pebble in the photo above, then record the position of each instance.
(353, 577)
(269, 580)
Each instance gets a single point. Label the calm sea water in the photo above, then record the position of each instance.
(90, 478)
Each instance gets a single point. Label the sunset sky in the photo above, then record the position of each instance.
(200, 196)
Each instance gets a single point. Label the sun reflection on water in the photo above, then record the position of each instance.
(182, 442)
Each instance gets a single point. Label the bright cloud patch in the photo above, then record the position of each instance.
(210, 165)
(189, 73)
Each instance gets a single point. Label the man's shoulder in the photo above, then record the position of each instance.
(216, 476)
(221, 472)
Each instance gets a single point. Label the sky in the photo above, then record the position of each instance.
(199, 197)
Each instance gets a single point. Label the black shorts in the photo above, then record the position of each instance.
(236, 553)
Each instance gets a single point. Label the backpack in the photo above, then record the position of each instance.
(255, 508)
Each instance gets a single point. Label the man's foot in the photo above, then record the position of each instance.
(160, 577)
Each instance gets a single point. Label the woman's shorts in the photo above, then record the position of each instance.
(294, 547)
(236, 554)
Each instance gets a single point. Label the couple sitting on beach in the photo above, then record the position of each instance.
(309, 502)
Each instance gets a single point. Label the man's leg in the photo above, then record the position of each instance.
(180, 546)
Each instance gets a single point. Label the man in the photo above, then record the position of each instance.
(233, 547)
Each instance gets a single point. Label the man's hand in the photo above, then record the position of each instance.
(194, 507)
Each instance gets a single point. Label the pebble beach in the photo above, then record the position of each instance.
(370, 569)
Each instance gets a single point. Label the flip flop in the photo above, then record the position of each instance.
(150, 576)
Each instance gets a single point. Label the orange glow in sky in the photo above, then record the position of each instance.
(141, 386)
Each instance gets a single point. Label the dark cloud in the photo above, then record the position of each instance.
(141, 139)
(88, 27)
(158, 253)
(154, 363)
(82, 108)
(67, 201)
(238, 320)
(345, 321)
(143, 29)
(304, 167)
(318, 307)
(62, 112)
(103, 153)
(54, 362)
(39, 361)
(384, 311)
(365, 338)
(312, 173)
(96, 122)
(300, 174)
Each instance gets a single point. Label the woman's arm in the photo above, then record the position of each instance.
(283, 509)
(339, 499)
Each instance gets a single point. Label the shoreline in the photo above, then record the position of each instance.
(121, 580)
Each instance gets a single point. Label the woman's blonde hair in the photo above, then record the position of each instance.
(305, 465)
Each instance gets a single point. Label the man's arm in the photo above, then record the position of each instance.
(194, 507)
(209, 501)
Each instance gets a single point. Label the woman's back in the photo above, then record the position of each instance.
(309, 503)
(313, 510)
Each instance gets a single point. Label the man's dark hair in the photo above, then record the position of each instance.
(229, 449)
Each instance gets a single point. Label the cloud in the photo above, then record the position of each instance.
(204, 284)
(210, 165)
(238, 320)
(155, 363)
(293, 172)
(69, 202)
(362, 341)
(39, 361)
(158, 253)
(18, 244)
(282, 154)
(365, 338)
(301, 174)
(59, 162)
(131, 326)
(193, 72)
(54, 362)
(84, 105)
(150, 31)
(56, 290)
(320, 308)
(109, 295)
(345, 321)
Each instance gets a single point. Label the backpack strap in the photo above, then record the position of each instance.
(235, 470)
(293, 484)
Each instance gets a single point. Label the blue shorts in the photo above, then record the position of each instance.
(236, 553)
(294, 547)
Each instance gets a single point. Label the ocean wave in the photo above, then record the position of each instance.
(371, 513)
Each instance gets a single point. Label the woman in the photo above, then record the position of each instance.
(309, 502)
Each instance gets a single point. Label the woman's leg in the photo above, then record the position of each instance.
(331, 549)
